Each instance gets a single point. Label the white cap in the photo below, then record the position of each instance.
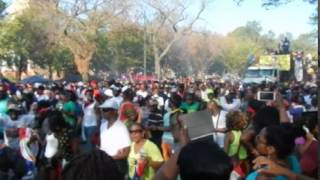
(109, 103)
(108, 92)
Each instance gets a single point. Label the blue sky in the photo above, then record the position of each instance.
(223, 16)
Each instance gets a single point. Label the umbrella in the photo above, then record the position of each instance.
(35, 79)
(71, 77)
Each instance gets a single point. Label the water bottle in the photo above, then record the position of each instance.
(141, 162)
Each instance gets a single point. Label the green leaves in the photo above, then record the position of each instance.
(22, 39)
(306, 43)
(14, 41)
(120, 49)
(2, 6)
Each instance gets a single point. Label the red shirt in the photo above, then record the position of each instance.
(127, 109)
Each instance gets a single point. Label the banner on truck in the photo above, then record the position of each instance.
(282, 60)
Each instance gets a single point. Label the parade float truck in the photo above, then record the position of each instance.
(272, 68)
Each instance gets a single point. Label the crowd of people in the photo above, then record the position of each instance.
(134, 130)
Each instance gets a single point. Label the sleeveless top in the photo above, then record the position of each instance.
(234, 146)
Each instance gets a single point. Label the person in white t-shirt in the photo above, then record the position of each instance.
(142, 91)
(117, 94)
(40, 95)
(89, 119)
(230, 102)
(219, 121)
(114, 135)
(158, 98)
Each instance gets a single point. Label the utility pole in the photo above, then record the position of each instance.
(144, 47)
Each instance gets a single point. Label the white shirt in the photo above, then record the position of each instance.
(51, 146)
(144, 94)
(89, 117)
(219, 121)
(159, 99)
(166, 105)
(118, 99)
(204, 95)
(114, 138)
(41, 97)
(235, 105)
(307, 99)
(22, 122)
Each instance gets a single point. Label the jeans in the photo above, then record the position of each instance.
(89, 133)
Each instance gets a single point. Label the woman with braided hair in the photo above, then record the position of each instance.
(236, 122)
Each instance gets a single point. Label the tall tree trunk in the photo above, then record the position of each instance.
(157, 67)
(82, 63)
(157, 58)
(18, 74)
(50, 71)
(59, 74)
(19, 70)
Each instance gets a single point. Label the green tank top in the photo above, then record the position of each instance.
(233, 148)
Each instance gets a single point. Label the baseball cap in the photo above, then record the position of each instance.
(109, 103)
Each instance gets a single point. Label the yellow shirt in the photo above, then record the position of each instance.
(151, 151)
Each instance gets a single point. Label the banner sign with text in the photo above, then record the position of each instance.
(282, 60)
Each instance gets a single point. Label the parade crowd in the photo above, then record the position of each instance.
(132, 130)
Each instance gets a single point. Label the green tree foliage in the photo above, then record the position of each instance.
(306, 43)
(117, 43)
(15, 44)
(23, 40)
(235, 53)
(126, 46)
(121, 49)
(2, 6)
(241, 43)
(250, 32)
(268, 41)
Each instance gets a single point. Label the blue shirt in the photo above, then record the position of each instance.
(167, 135)
(295, 167)
(4, 106)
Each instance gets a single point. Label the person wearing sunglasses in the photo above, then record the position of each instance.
(114, 135)
(277, 143)
(145, 157)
